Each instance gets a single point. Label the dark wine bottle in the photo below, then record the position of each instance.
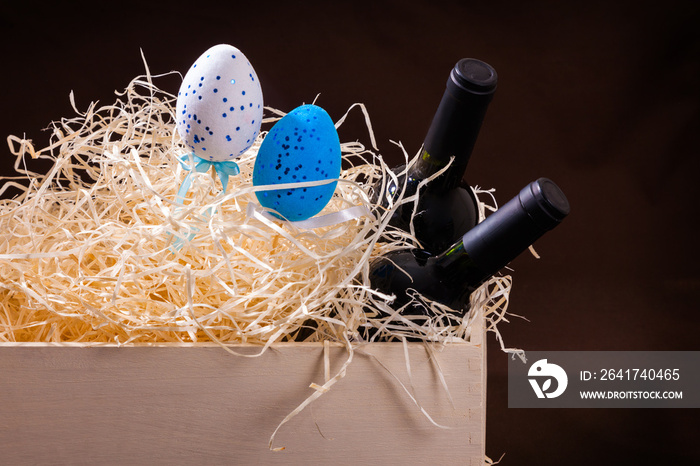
(451, 277)
(447, 206)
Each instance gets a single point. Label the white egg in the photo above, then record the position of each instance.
(220, 105)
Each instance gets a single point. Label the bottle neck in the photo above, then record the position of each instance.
(456, 124)
(503, 235)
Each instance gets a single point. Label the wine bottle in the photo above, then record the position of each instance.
(447, 206)
(450, 277)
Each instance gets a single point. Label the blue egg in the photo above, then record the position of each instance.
(303, 146)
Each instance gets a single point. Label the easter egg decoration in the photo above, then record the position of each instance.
(218, 115)
(301, 147)
(219, 105)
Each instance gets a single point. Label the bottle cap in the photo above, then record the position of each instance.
(473, 76)
(544, 202)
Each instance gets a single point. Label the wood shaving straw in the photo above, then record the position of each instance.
(98, 251)
(87, 255)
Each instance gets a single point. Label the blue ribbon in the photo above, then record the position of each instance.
(223, 170)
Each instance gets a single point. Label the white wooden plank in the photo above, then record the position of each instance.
(201, 405)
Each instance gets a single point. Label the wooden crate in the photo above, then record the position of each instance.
(198, 404)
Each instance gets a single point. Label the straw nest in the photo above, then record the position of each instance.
(98, 250)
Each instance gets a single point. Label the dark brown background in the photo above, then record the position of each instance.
(601, 96)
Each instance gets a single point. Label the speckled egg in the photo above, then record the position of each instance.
(302, 146)
(220, 104)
